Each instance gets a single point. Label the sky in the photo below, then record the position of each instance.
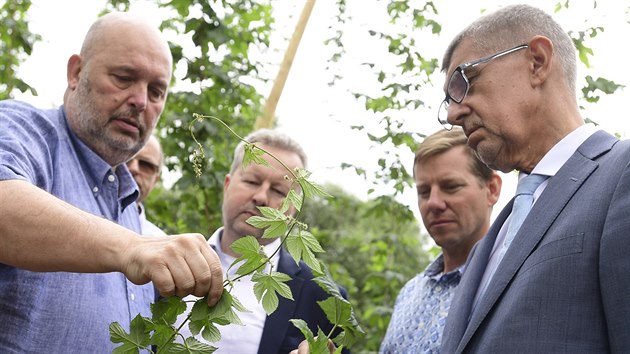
(320, 116)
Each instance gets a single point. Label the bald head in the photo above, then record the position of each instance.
(115, 27)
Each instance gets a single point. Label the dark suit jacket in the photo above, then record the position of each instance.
(281, 336)
(564, 283)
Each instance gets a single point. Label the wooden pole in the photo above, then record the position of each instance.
(268, 117)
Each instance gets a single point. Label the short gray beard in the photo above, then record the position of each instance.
(93, 130)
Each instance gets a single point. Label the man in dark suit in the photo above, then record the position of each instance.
(560, 283)
(244, 190)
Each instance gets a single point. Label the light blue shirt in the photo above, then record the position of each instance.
(59, 312)
(420, 311)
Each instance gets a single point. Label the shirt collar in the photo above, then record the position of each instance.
(97, 170)
(560, 153)
(435, 270)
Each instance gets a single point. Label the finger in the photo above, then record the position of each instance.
(183, 277)
(163, 281)
(216, 275)
(174, 256)
(331, 346)
(302, 348)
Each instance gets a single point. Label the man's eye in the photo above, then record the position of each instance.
(451, 188)
(157, 94)
(280, 192)
(123, 78)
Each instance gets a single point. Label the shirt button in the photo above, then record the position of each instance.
(111, 178)
(132, 296)
(95, 189)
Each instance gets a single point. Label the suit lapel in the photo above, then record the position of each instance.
(550, 204)
(277, 324)
(461, 305)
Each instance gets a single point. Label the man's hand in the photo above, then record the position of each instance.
(177, 265)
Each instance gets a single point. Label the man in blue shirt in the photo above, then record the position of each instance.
(71, 257)
(456, 193)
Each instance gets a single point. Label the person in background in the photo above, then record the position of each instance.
(145, 168)
(244, 190)
(456, 193)
(72, 259)
(551, 275)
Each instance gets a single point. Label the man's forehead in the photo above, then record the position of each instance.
(463, 53)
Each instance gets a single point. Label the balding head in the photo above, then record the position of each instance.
(115, 27)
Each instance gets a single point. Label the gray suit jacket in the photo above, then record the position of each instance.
(564, 283)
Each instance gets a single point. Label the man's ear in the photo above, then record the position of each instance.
(541, 50)
(74, 71)
(494, 188)
(226, 182)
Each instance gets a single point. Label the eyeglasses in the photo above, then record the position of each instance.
(458, 84)
(145, 166)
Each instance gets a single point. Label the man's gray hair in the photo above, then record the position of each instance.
(513, 25)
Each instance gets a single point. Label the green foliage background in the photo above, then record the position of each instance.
(374, 246)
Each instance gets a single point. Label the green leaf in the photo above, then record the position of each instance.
(253, 154)
(303, 327)
(167, 309)
(302, 245)
(268, 286)
(211, 333)
(273, 221)
(251, 253)
(338, 311)
(137, 338)
(319, 344)
(310, 189)
(330, 287)
(294, 198)
(163, 334)
(203, 319)
(192, 346)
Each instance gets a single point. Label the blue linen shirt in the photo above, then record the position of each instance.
(420, 311)
(61, 312)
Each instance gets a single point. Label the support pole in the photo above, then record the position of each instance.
(268, 117)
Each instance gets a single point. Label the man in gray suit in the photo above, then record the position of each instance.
(561, 284)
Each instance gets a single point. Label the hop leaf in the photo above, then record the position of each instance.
(137, 338)
(302, 245)
(268, 286)
(254, 154)
(272, 220)
(251, 254)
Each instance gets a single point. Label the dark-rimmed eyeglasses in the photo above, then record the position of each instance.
(458, 84)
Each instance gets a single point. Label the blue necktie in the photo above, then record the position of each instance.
(522, 205)
(523, 202)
